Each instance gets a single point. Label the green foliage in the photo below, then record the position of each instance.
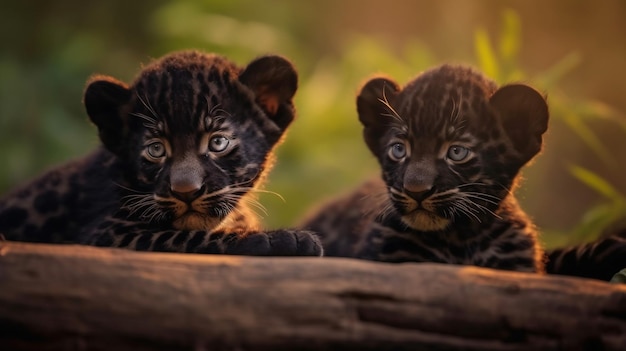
(600, 216)
(501, 65)
(619, 277)
(42, 121)
(576, 113)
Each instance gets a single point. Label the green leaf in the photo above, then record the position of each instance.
(619, 277)
(582, 130)
(596, 183)
(596, 220)
(593, 109)
(555, 73)
(487, 59)
(510, 40)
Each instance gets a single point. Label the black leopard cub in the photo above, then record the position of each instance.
(185, 148)
(450, 145)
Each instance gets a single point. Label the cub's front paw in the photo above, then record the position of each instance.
(275, 243)
(294, 243)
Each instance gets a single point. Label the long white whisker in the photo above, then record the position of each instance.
(148, 106)
(151, 121)
(129, 189)
(472, 196)
(385, 102)
(255, 190)
(478, 206)
(459, 205)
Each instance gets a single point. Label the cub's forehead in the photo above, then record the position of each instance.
(446, 98)
(184, 92)
(197, 79)
(189, 62)
(186, 71)
(447, 82)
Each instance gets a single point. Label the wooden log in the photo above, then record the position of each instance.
(55, 297)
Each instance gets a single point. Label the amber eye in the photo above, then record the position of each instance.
(397, 151)
(218, 143)
(458, 153)
(156, 150)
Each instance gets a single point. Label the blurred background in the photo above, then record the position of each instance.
(573, 50)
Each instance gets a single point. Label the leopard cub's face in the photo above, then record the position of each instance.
(194, 133)
(450, 143)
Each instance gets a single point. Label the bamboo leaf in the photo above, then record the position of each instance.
(510, 40)
(597, 183)
(555, 73)
(597, 219)
(593, 109)
(619, 277)
(485, 54)
(591, 139)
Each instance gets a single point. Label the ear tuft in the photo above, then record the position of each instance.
(274, 81)
(524, 114)
(103, 99)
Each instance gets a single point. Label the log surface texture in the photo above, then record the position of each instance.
(66, 297)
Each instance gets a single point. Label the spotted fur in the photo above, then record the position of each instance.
(450, 145)
(600, 259)
(185, 149)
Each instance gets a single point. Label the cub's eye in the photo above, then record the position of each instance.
(458, 153)
(156, 150)
(218, 143)
(397, 151)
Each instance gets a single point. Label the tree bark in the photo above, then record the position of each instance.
(58, 297)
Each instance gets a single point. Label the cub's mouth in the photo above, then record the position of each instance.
(194, 220)
(196, 215)
(425, 220)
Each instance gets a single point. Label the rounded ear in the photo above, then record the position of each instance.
(375, 107)
(375, 100)
(103, 99)
(274, 81)
(523, 112)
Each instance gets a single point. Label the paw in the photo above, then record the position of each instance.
(294, 243)
(276, 243)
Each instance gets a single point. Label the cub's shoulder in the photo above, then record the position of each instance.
(52, 204)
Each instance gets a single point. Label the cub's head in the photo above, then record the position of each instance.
(194, 133)
(450, 143)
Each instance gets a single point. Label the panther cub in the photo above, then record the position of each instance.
(450, 145)
(185, 148)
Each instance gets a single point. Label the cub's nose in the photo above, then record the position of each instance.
(421, 194)
(186, 191)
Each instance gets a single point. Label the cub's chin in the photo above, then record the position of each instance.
(196, 221)
(425, 221)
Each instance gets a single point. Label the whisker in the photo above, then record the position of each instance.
(508, 191)
(481, 198)
(470, 184)
(459, 205)
(147, 105)
(478, 206)
(387, 210)
(385, 102)
(381, 204)
(130, 189)
(151, 121)
(255, 190)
